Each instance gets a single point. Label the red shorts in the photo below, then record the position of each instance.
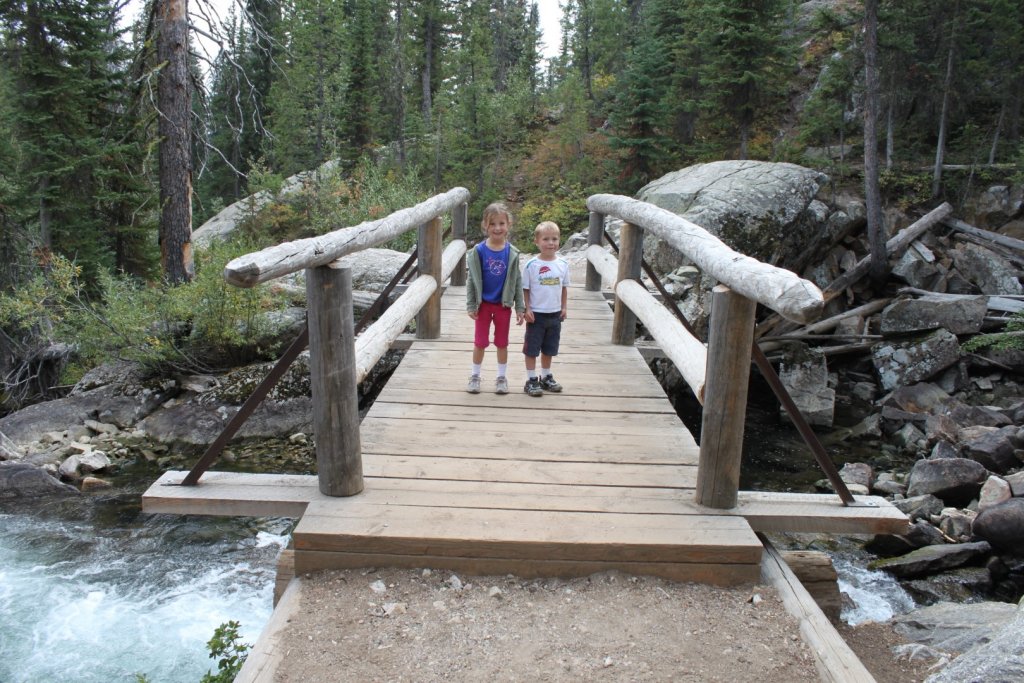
(502, 318)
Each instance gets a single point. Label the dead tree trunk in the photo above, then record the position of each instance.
(174, 100)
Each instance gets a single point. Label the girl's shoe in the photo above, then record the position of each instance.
(501, 385)
(474, 384)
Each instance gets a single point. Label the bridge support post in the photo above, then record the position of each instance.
(730, 337)
(631, 254)
(595, 234)
(459, 216)
(428, 320)
(332, 370)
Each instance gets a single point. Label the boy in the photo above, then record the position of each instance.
(545, 280)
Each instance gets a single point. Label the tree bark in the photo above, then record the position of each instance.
(872, 194)
(940, 146)
(174, 100)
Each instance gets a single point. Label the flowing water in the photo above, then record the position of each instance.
(95, 590)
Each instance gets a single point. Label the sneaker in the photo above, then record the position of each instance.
(533, 387)
(474, 384)
(501, 385)
(548, 383)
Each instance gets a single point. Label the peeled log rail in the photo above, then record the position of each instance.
(289, 257)
(375, 341)
(687, 352)
(779, 289)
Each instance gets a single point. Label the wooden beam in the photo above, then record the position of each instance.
(332, 372)
(779, 289)
(429, 245)
(631, 254)
(290, 257)
(730, 338)
(595, 234)
(459, 220)
(835, 661)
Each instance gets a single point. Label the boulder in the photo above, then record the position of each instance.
(997, 657)
(969, 416)
(956, 523)
(944, 449)
(1016, 482)
(954, 480)
(922, 397)
(907, 362)
(986, 270)
(857, 473)
(994, 491)
(957, 585)
(21, 481)
(954, 627)
(995, 206)
(193, 423)
(932, 559)
(758, 208)
(991, 447)
(1002, 525)
(917, 266)
(959, 315)
(917, 507)
(919, 535)
(939, 428)
(805, 376)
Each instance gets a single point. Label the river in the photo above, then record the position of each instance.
(95, 590)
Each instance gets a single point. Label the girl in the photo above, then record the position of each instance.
(495, 286)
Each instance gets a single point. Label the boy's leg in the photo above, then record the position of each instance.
(549, 349)
(531, 348)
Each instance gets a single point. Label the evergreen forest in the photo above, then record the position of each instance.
(126, 125)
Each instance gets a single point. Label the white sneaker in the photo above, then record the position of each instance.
(501, 385)
(474, 384)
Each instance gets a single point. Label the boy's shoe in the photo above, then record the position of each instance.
(548, 383)
(474, 384)
(501, 385)
(533, 387)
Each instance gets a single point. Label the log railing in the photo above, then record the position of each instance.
(339, 360)
(717, 374)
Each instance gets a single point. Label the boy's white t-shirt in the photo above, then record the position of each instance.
(545, 280)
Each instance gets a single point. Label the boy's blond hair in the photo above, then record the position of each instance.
(544, 226)
(493, 209)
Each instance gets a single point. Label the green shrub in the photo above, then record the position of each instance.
(230, 654)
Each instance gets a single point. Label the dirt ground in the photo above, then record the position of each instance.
(422, 625)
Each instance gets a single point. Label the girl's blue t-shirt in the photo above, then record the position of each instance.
(493, 267)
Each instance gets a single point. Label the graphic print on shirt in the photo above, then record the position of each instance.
(495, 266)
(552, 279)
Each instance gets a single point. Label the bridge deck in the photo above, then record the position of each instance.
(598, 477)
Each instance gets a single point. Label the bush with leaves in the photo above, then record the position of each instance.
(230, 654)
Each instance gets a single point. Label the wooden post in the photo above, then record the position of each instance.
(428, 320)
(595, 235)
(459, 215)
(332, 371)
(730, 338)
(631, 254)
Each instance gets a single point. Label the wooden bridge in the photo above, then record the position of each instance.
(601, 476)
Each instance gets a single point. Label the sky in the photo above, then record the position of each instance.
(549, 11)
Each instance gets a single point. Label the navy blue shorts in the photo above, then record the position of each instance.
(543, 334)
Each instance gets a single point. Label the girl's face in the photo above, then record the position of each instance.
(497, 227)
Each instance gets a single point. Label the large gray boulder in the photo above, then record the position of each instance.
(986, 270)
(906, 362)
(1002, 525)
(959, 315)
(21, 481)
(992, 447)
(932, 559)
(758, 208)
(997, 659)
(805, 376)
(196, 424)
(955, 480)
(954, 627)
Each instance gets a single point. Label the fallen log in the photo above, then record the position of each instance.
(994, 237)
(1005, 303)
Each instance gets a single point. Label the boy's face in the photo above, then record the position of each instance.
(547, 242)
(497, 227)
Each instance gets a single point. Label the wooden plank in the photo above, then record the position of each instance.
(730, 574)
(525, 534)
(574, 384)
(835, 660)
(455, 399)
(638, 435)
(819, 513)
(536, 472)
(268, 653)
(415, 437)
(610, 422)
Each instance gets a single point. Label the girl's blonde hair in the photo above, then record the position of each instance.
(493, 209)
